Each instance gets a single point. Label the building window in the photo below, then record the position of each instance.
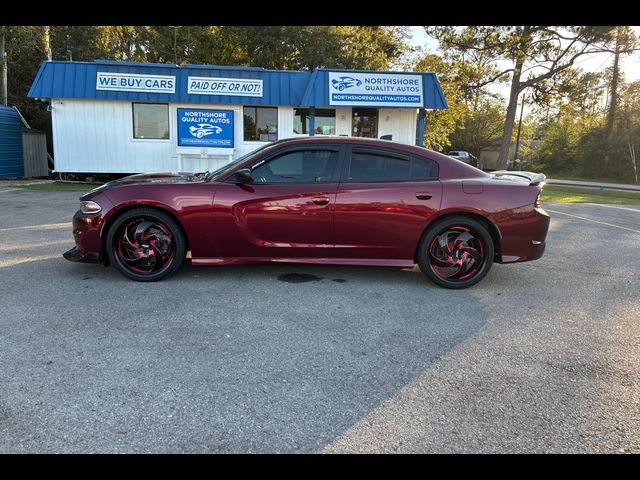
(260, 124)
(151, 120)
(325, 121)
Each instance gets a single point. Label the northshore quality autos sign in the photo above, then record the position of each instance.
(375, 89)
(199, 127)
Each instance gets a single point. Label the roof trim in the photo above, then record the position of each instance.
(297, 88)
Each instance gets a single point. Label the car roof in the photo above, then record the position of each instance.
(449, 167)
(371, 142)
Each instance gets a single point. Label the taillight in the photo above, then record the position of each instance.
(537, 202)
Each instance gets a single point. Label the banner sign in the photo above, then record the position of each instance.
(239, 87)
(199, 127)
(132, 82)
(375, 89)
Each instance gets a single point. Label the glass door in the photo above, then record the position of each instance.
(364, 122)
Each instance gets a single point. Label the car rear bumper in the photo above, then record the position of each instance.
(525, 239)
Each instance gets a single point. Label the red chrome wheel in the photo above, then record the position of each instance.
(456, 252)
(146, 244)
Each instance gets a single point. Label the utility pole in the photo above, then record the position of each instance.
(515, 156)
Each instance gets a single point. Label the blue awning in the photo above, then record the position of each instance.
(207, 84)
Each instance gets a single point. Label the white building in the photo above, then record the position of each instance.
(126, 117)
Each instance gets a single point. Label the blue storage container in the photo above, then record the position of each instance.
(11, 163)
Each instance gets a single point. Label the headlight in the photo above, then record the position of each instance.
(89, 207)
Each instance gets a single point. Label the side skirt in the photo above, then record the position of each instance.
(368, 262)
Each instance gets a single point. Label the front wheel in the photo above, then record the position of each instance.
(146, 245)
(456, 252)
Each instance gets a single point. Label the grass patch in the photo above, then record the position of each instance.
(562, 194)
(60, 187)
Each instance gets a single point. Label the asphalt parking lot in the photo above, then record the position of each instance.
(538, 357)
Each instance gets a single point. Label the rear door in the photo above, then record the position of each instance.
(384, 202)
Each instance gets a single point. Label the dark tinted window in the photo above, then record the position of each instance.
(301, 166)
(325, 122)
(374, 167)
(260, 124)
(423, 169)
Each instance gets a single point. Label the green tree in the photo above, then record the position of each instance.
(541, 52)
(440, 124)
(478, 127)
(624, 43)
(308, 47)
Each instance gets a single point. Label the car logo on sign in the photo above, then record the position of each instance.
(204, 129)
(343, 83)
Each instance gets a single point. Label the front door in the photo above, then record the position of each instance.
(285, 212)
(384, 202)
(364, 122)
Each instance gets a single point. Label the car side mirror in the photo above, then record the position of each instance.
(243, 175)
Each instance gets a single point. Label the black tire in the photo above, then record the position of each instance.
(125, 241)
(466, 240)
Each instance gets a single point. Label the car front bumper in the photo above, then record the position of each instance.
(76, 255)
(86, 233)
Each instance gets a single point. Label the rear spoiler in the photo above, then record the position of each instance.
(534, 178)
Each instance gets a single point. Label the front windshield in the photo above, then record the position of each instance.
(230, 166)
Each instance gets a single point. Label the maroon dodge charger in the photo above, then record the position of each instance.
(329, 200)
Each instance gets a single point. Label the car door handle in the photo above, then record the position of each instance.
(320, 200)
(423, 195)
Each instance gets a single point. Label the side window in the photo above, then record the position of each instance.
(423, 169)
(300, 166)
(377, 167)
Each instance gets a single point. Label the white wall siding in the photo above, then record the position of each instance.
(90, 136)
(399, 122)
(97, 136)
(343, 121)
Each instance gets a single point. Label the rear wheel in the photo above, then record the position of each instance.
(456, 252)
(146, 245)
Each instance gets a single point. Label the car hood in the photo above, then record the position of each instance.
(148, 178)
(160, 177)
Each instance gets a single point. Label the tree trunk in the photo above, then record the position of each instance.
(46, 34)
(3, 72)
(613, 101)
(510, 117)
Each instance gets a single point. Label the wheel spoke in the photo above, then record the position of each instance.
(456, 254)
(145, 246)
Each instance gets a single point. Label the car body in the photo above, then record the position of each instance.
(204, 129)
(464, 156)
(318, 200)
(342, 83)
